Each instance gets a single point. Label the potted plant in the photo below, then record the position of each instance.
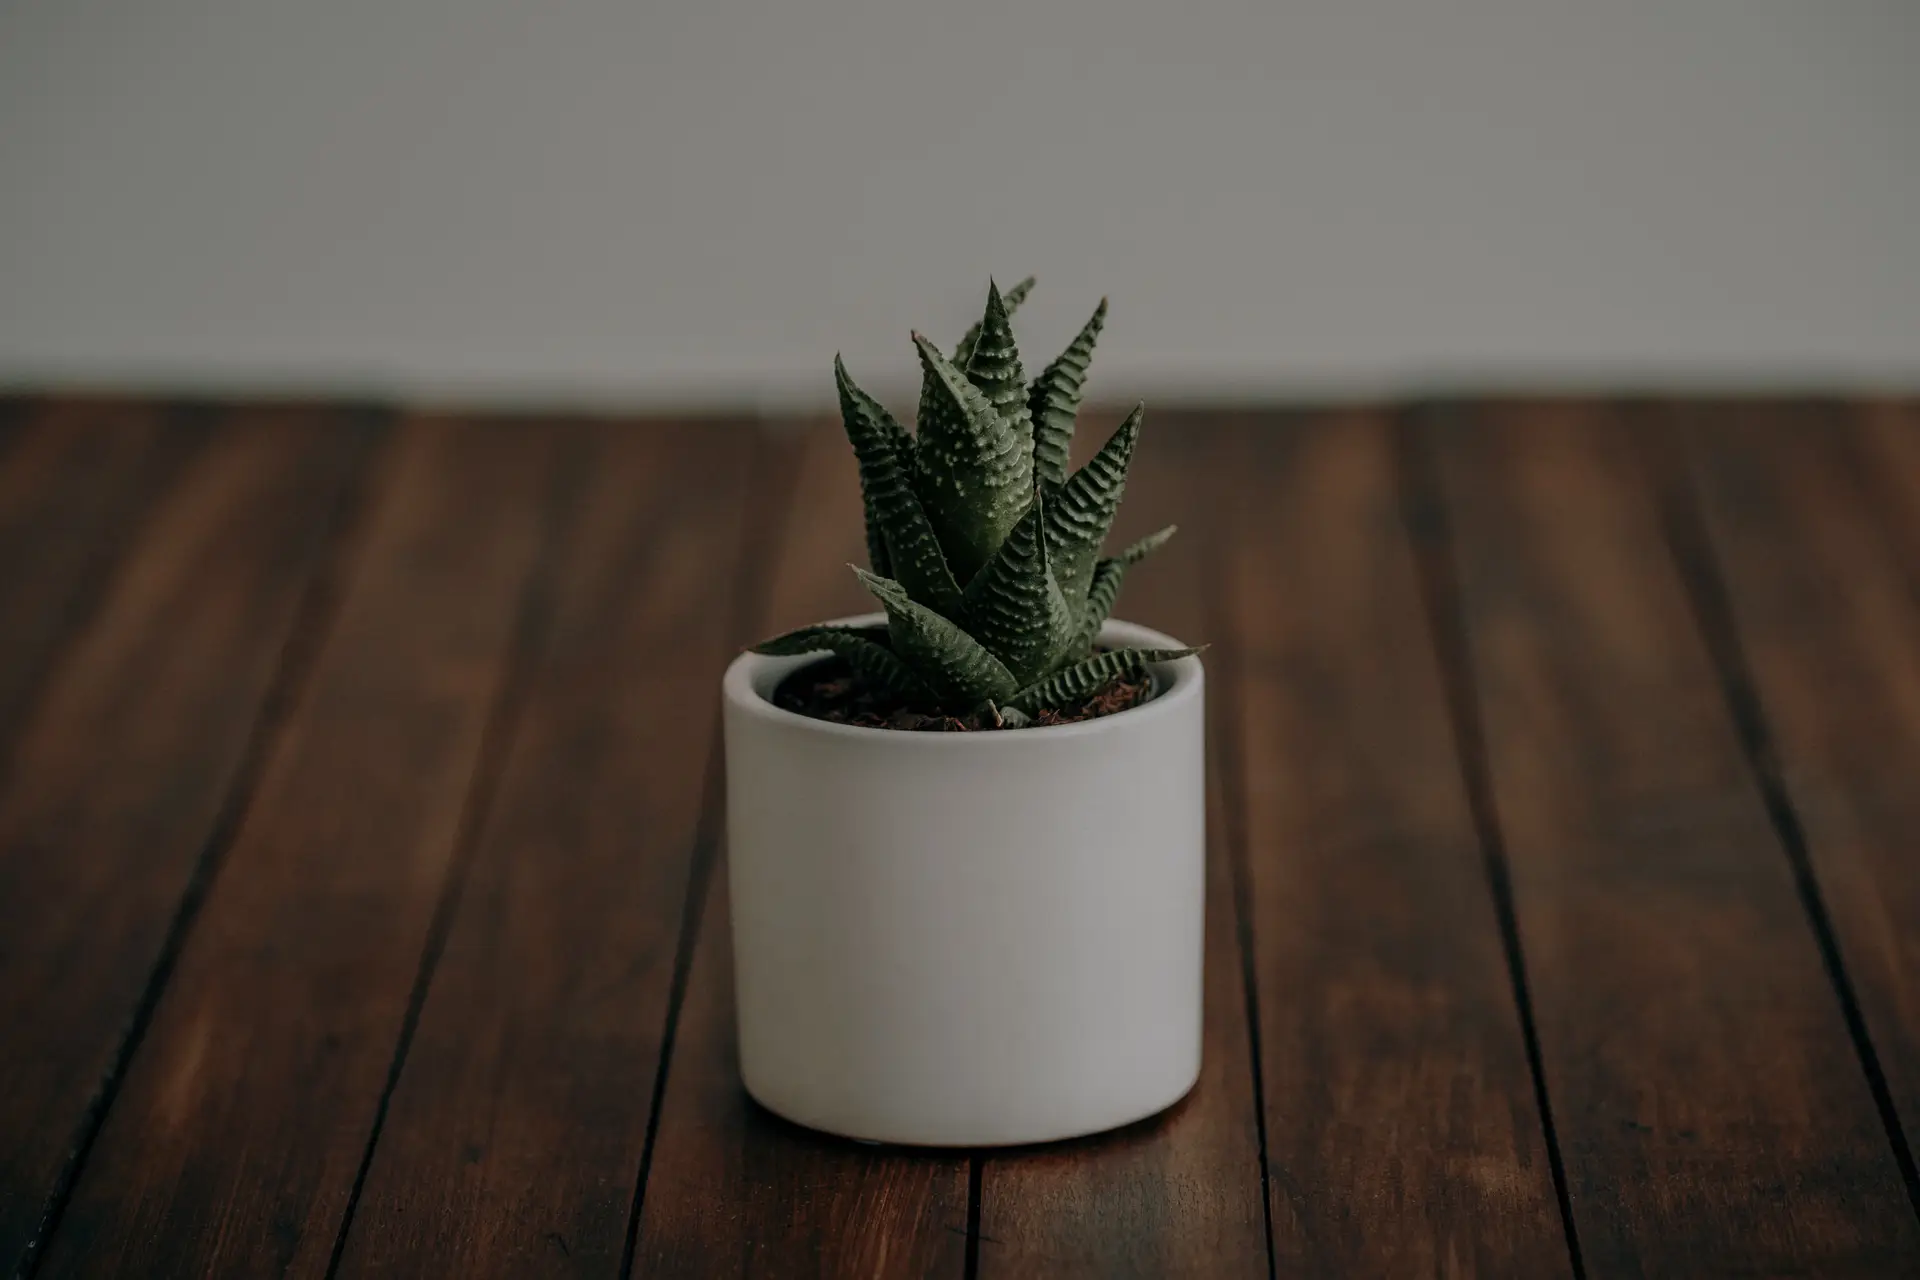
(966, 834)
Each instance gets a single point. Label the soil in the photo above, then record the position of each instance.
(828, 690)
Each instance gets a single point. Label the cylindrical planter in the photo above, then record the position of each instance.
(968, 939)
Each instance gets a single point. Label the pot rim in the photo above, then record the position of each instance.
(1182, 681)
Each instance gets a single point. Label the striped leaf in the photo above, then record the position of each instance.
(1053, 402)
(873, 662)
(995, 366)
(1105, 590)
(1084, 679)
(900, 539)
(959, 670)
(1012, 298)
(1009, 717)
(1078, 519)
(1015, 608)
(973, 469)
(878, 442)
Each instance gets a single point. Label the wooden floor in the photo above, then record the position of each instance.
(362, 904)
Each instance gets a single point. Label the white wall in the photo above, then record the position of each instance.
(703, 200)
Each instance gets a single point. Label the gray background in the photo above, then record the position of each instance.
(700, 202)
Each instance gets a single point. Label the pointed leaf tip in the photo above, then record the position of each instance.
(1081, 514)
(974, 467)
(900, 541)
(1010, 300)
(994, 366)
(1015, 607)
(1053, 401)
(871, 660)
(1084, 679)
(1104, 589)
(960, 671)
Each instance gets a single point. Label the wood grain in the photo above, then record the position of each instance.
(1835, 661)
(76, 479)
(1402, 1133)
(731, 1189)
(1889, 450)
(519, 1125)
(234, 1144)
(1712, 1112)
(363, 899)
(809, 579)
(121, 775)
(15, 407)
(1179, 1194)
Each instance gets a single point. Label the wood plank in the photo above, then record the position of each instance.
(1827, 614)
(520, 1122)
(1403, 1136)
(15, 406)
(122, 775)
(1712, 1112)
(1180, 1194)
(15, 410)
(76, 478)
(1890, 454)
(823, 534)
(731, 1190)
(235, 1141)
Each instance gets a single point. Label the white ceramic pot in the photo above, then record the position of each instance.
(968, 939)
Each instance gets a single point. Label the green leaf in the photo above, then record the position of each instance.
(995, 365)
(878, 442)
(1134, 552)
(1078, 519)
(1009, 717)
(974, 469)
(1105, 590)
(959, 670)
(1053, 402)
(900, 538)
(1012, 298)
(1084, 679)
(874, 663)
(1015, 608)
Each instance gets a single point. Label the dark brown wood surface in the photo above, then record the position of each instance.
(363, 883)
(1711, 1107)
(1402, 1132)
(126, 781)
(295, 978)
(500, 1154)
(1825, 611)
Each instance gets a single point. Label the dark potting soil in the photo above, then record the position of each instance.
(828, 690)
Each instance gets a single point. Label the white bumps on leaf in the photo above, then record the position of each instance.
(973, 621)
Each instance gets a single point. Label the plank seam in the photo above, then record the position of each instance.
(1429, 534)
(1691, 547)
(1226, 739)
(532, 622)
(706, 843)
(769, 502)
(338, 540)
(976, 1180)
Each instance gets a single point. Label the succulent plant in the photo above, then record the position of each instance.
(984, 551)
